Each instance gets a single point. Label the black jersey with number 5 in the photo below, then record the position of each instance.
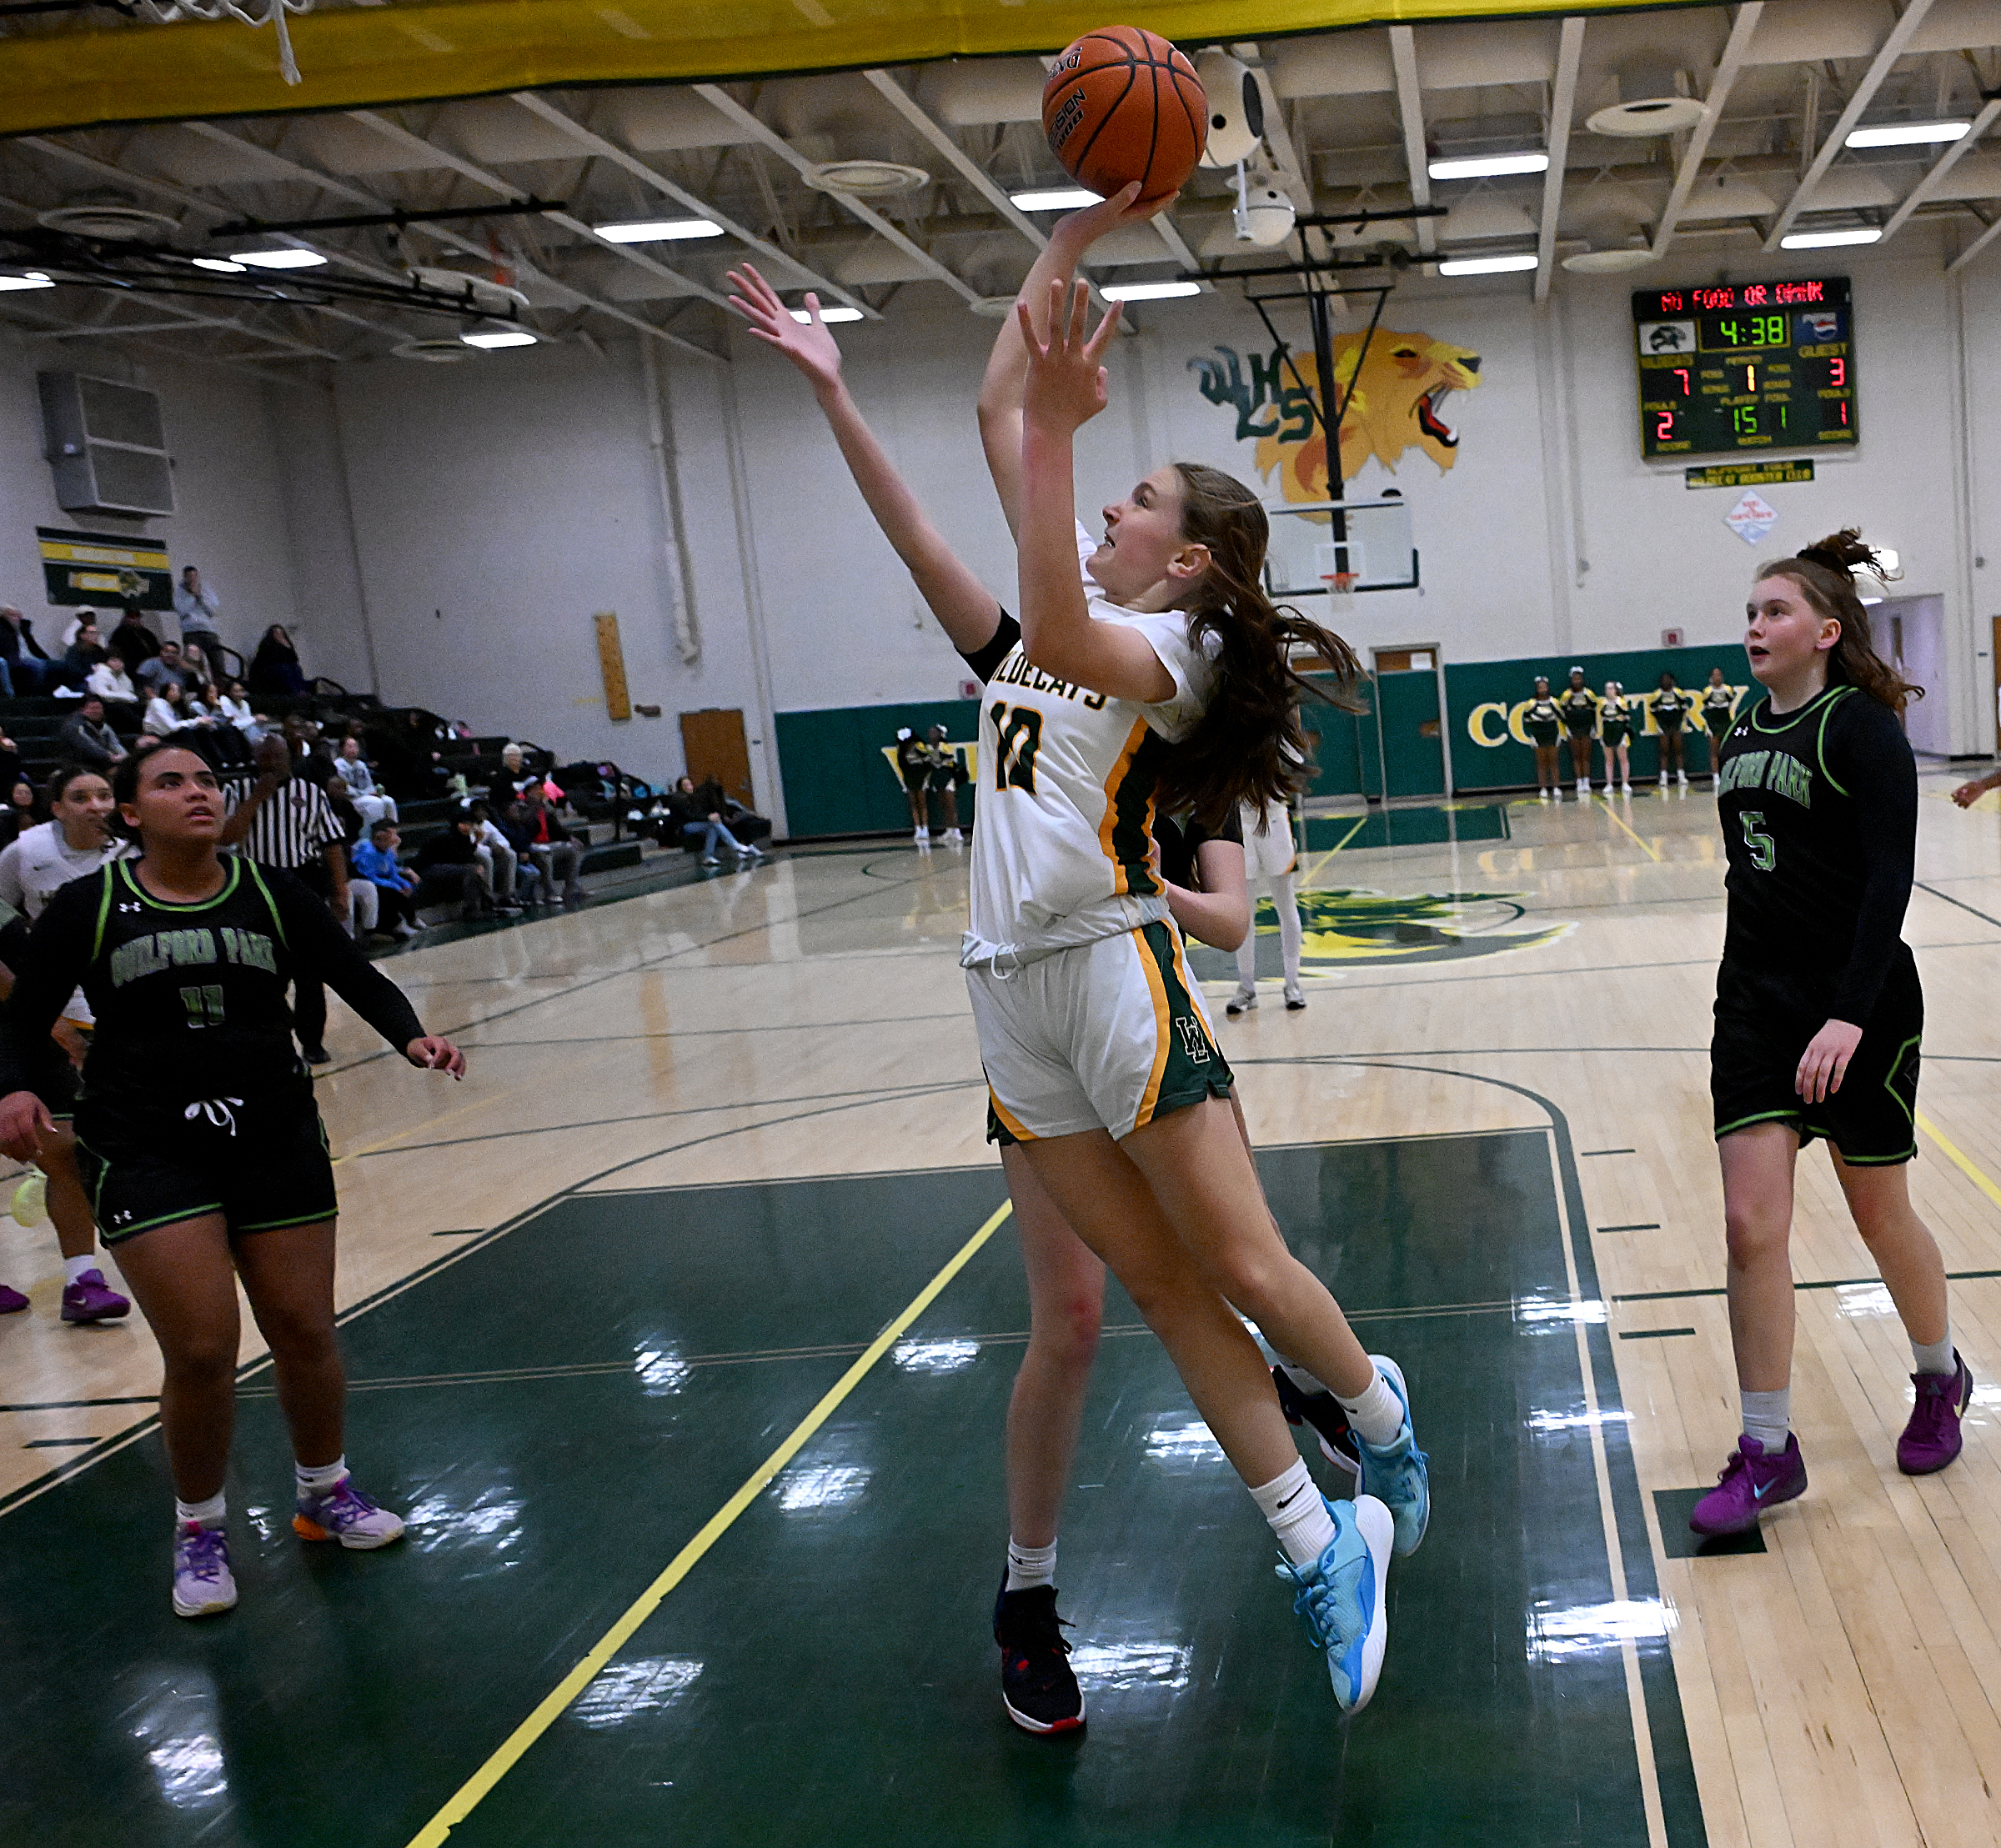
(1819, 811)
(189, 998)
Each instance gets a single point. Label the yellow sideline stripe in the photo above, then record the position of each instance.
(468, 1795)
(1965, 1162)
(1619, 820)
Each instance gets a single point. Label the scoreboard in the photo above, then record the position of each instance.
(1753, 366)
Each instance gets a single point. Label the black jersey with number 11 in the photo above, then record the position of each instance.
(1819, 811)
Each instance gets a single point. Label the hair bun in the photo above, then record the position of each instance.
(1843, 553)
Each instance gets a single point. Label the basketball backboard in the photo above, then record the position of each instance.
(1317, 543)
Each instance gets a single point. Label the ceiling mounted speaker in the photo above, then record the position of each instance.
(1236, 109)
(1264, 216)
(437, 352)
(112, 220)
(867, 179)
(1650, 102)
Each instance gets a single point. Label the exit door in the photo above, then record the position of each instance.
(1413, 755)
(713, 744)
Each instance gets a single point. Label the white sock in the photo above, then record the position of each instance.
(74, 1268)
(1298, 1516)
(211, 1513)
(1769, 1417)
(1377, 1416)
(319, 1480)
(1934, 1356)
(1298, 1376)
(1029, 1566)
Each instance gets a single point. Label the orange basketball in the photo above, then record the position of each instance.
(1122, 104)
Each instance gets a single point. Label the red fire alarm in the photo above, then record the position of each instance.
(1672, 638)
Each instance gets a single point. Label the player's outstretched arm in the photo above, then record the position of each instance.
(965, 608)
(1066, 390)
(1006, 378)
(1219, 914)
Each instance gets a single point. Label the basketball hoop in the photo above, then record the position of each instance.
(1341, 587)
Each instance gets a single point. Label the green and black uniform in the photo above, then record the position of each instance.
(194, 1101)
(1618, 723)
(1819, 810)
(1540, 721)
(1579, 706)
(914, 762)
(1670, 708)
(1717, 703)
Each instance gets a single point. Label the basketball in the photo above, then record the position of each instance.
(1122, 104)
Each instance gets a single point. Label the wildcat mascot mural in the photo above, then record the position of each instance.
(1391, 404)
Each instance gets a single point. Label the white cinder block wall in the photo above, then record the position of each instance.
(445, 534)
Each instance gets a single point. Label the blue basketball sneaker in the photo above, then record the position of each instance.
(1395, 1474)
(1340, 1598)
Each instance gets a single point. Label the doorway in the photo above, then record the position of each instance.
(713, 744)
(1910, 633)
(1412, 751)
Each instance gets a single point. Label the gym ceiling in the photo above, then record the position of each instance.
(543, 120)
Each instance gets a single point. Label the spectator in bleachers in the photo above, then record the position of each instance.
(408, 758)
(196, 664)
(86, 739)
(275, 667)
(449, 870)
(234, 706)
(702, 826)
(168, 712)
(283, 821)
(166, 665)
(29, 669)
(227, 747)
(512, 779)
(550, 845)
(109, 681)
(374, 860)
(23, 809)
(509, 868)
(83, 654)
(374, 803)
(196, 605)
(132, 641)
(10, 760)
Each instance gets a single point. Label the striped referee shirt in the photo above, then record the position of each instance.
(293, 827)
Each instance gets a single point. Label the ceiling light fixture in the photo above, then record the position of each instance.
(1486, 266)
(32, 279)
(1476, 167)
(1906, 134)
(489, 339)
(223, 266)
(1829, 240)
(657, 231)
(1061, 198)
(1149, 292)
(290, 257)
(831, 316)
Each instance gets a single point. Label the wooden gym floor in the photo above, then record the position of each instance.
(683, 1332)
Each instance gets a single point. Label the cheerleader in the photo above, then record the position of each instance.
(1543, 722)
(197, 1136)
(1615, 721)
(1270, 855)
(1819, 1011)
(1670, 708)
(1718, 707)
(1578, 705)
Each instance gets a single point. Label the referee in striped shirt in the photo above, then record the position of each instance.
(280, 821)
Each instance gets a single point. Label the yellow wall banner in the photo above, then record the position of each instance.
(370, 57)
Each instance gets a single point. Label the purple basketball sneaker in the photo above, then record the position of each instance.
(1752, 1482)
(1932, 1439)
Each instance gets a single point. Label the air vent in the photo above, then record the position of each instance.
(111, 221)
(106, 445)
(867, 179)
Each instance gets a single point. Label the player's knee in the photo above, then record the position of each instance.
(1753, 1230)
(204, 1360)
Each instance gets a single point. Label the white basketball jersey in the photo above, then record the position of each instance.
(1063, 848)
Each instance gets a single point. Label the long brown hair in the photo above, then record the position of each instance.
(1825, 572)
(1249, 745)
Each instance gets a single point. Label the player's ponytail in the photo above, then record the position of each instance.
(1248, 746)
(1825, 571)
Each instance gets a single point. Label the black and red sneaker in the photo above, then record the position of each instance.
(1321, 1413)
(1037, 1687)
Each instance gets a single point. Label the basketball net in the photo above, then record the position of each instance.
(273, 14)
(1341, 591)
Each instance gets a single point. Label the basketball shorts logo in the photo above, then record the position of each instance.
(1195, 1043)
